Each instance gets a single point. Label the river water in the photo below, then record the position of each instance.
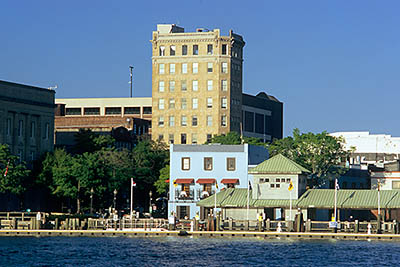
(187, 251)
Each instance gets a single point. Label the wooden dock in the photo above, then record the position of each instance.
(214, 234)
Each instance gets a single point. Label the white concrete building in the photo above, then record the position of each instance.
(370, 148)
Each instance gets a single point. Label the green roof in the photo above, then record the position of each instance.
(279, 164)
(237, 198)
(313, 198)
(349, 199)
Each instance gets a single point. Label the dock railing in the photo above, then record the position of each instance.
(30, 221)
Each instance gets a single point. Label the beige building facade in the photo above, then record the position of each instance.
(196, 84)
(26, 119)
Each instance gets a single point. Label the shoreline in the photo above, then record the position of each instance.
(230, 234)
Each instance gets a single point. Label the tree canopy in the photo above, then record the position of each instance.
(15, 180)
(317, 152)
(233, 138)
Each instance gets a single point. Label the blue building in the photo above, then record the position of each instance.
(199, 171)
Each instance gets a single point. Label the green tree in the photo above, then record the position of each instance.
(88, 141)
(231, 138)
(14, 181)
(149, 158)
(319, 153)
(161, 184)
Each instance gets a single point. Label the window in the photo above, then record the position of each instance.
(183, 120)
(91, 111)
(183, 141)
(184, 68)
(20, 128)
(224, 102)
(32, 155)
(171, 103)
(278, 185)
(73, 111)
(208, 164)
(209, 102)
(224, 50)
(223, 120)
(146, 110)
(183, 103)
(171, 121)
(209, 85)
(209, 49)
(194, 138)
(195, 103)
(113, 111)
(195, 49)
(224, 67)
(161, 103)
(272, 185)
(230, 164)
(209, 137)
(162, 51)
(209, 120)
(132, 110)
(194, 120)
(161, 86)
(209, 67)
(171, 138)
(195, 85)
(161, 69)
(172, 50)
(8, 130)
(46, 131)
(161, 121)
(160, 137)
(288, 180)
(33, 129)
(184, 86)
(184, 50)
(224, 85)
(185, 163)
(278, 180)
(171, 86)
(195, 67)
(172, 68)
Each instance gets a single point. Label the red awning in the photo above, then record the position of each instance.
(206, 181)
(230, 181)
(184, 181)
(167, 181)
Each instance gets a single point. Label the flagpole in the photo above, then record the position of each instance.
(335, 200)
(290, 211)
(379, 197)
(248, 196)
(131, 197)
(215, 201)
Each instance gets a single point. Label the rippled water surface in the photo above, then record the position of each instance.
(186, 251)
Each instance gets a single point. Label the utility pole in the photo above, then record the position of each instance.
(131, 70)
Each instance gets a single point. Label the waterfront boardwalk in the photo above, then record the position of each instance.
(224, 234)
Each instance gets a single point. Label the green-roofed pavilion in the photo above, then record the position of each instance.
(347, 199)
(278, 164)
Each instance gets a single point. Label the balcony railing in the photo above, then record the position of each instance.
(201, 194)
(184, 195)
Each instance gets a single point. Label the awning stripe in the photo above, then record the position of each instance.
(230, 181)
(184, 181)
(206, 181)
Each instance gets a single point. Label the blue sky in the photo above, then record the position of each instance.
(334, 64)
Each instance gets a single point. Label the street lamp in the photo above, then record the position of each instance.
(150, 207)
(91, 200)
(115, 198)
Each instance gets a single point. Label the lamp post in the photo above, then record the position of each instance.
(150, 207)
(115, 198)
(91, 200)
